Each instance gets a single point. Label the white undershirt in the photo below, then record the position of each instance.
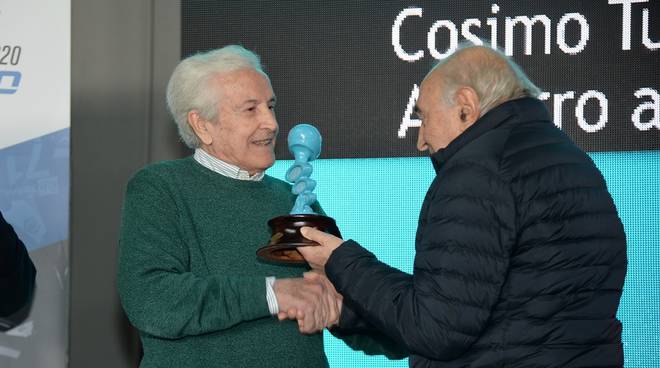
(225, 168)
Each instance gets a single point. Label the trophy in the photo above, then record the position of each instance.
(305, 145)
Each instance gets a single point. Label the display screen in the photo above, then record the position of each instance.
(353, 68)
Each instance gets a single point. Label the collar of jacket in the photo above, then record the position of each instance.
(531, 108)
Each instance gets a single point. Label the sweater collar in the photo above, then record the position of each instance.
(532, 108)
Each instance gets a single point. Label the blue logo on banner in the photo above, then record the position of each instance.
(15, 81)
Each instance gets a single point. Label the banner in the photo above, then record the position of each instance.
(355, 67)
(34, 168)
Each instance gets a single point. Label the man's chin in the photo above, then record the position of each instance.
(267, 164)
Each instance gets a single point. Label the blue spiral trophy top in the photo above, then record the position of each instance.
(305, 146)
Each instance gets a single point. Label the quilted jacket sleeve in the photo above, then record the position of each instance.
(465, 235)
(358, 334)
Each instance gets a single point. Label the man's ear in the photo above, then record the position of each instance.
(468, 102)
(199, 126)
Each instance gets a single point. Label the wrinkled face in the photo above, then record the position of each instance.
(441, 121)
(245, 132)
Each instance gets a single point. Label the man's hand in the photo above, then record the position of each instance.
(317, 256)
(332, 295)
(310, 301)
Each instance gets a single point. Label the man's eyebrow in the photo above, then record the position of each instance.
(249, 102)
(254, 101)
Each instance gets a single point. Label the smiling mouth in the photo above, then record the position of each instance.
(263, 142)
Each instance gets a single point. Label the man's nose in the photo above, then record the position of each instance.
(269, 121)
(421, 143)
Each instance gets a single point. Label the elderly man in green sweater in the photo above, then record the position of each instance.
(188, 277)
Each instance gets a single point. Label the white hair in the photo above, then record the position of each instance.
(189, 87)
(495, 77)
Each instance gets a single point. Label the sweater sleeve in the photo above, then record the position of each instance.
(160, 295)
(460, 266)
(17, 274)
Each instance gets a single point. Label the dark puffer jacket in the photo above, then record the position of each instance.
(17, 277)
(520, 255)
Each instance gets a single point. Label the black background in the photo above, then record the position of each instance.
(332, 63)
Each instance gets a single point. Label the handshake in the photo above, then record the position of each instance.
(311, 300)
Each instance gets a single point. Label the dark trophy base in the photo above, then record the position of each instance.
(286, 237)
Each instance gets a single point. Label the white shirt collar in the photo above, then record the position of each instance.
(223, 168)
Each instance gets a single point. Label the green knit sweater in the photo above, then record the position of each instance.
(188, 276)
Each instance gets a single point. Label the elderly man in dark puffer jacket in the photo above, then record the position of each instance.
(520, 254)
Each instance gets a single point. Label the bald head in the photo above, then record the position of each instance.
(493, 76)
(461, 89)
